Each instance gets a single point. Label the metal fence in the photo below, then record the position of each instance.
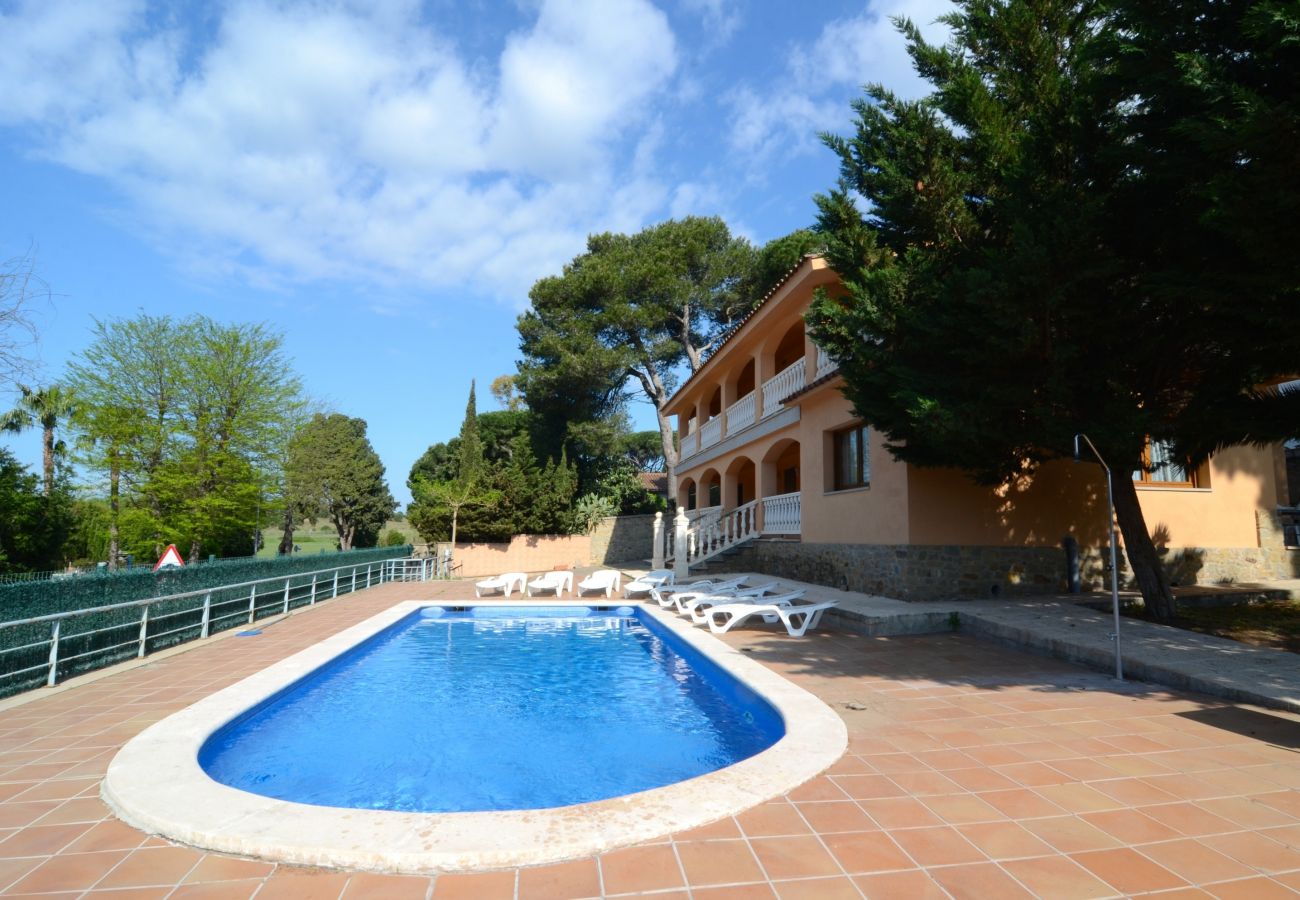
(82, 640)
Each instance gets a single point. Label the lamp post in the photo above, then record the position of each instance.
(1114, 567)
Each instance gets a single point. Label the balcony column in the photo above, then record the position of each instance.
(809, 359)
(681, 567)
(729, 482)
(764, 364)
(728, 398)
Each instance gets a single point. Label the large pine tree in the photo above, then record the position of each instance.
(1088, 226)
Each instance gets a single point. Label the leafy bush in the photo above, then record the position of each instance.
(393, 538)
(591, 508)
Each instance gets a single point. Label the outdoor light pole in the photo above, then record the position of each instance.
(1114, 567)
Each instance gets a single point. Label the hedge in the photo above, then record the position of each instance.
(25, 600)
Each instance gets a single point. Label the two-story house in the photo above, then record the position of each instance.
(773, 459)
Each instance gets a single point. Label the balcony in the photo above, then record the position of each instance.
(711, 433)
(782, 514)
(825, 365)
(690, 444)
(740, 415)
(782, 385)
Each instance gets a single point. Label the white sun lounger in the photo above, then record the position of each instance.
(684, 603)
(507, 582)
(668, 597)
(797, 618)
(655, 578)
(552, 581)
(606, 580)
(699, 609)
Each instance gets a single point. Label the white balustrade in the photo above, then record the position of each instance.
(782, 385)
(715, 531)
(711, 433)
(825, 365)
(694, 516)
(740, 414)
(781, 514)
(690, 444)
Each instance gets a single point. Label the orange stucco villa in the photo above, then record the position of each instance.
(774, 464)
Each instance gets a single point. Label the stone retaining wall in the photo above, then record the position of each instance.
(973, 573)
(621, 539)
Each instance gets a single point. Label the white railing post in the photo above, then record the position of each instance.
(286, 594)
(207, 615)
(312, 602)
(54, 653)
(144, 630)
(657, 547)
(252, 604)
(334, 592)
(368, 574)
(354, 580)
(681, 552)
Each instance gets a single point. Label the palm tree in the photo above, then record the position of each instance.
(47, 406)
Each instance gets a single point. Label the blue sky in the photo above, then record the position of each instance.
(383, 181)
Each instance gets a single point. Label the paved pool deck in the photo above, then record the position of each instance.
(1063, 627)
(974, 770)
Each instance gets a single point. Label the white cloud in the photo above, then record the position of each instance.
(809, 96)
(311, 140)
(720, 18)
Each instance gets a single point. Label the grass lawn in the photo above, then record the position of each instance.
(1273, 623)
(312, 539)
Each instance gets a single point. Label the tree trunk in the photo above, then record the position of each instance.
(1150, 575)
(114, 490)
(286, 537)
(196, 547)
(455, 512)
(670, 453)
(48, 449)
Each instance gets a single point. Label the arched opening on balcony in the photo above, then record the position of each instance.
(739, 482)
(686, 493)
(790, 349)
(780, 477)
(788, 368)
(710, 490)
(740, 388)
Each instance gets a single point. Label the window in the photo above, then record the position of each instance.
(852, 468)
(690, 496)
(715, 494)
(1162, 467)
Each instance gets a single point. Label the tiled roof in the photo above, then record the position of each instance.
(757, 306)
(654, 482)
(740, 323)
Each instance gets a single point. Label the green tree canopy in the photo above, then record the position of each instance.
(33, 526)
(47, 407)
(632, 309)
(183, 416)
(439, 502)
(1084, 228)
(334, 472)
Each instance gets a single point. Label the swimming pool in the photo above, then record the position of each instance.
(156, 782)
(494, 708)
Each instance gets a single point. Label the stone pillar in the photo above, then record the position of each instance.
(680, 525)
(657, 552)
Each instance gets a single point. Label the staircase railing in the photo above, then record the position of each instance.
(707, 537)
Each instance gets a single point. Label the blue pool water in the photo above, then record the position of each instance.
(492, 709)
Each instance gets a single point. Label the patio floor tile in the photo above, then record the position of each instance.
(975, 771)
(639, 869)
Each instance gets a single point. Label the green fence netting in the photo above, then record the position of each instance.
(99, 639)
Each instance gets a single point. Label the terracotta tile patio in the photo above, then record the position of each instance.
(973, 771)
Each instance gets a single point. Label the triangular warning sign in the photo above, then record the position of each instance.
(170, 558)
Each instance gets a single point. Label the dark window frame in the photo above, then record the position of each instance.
(861, 476)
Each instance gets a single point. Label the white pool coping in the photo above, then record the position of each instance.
(155, 782)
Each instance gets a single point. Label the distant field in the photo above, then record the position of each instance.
(321, 537)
